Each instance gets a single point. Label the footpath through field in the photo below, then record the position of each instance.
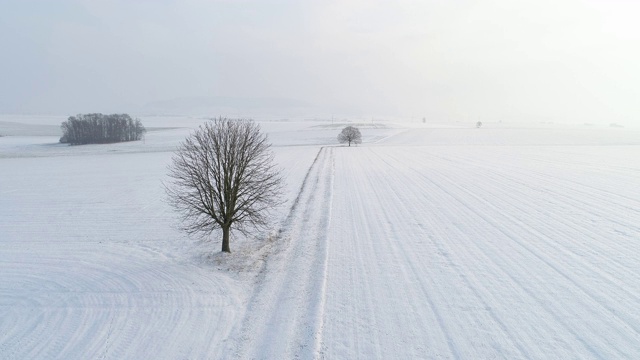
(284, 315)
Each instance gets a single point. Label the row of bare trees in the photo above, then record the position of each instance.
(101, 129)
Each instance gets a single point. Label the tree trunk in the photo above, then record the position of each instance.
(225, 239)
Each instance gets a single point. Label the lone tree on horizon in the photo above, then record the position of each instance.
(349, 135)
(223, 176)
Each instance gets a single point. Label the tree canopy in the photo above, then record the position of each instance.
(223, 175)
(350, 134)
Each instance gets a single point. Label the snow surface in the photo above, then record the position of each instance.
(427, 241)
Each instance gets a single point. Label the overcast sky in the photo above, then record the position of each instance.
(546, 60)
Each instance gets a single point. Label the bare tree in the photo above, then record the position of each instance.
(349, 135)
(223, 175)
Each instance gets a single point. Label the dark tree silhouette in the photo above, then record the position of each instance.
(349, 135)
(223, 175)
(101, 129)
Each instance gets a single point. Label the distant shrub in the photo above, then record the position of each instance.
(479, 124)
(101, 129)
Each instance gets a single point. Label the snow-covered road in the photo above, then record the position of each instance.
(284, 316)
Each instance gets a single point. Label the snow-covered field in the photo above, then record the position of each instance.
(424, 242)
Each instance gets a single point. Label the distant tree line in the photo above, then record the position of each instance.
(101, 129)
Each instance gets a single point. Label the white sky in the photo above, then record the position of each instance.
(543, 60)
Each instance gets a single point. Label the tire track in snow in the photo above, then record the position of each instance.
(592, 200)
(564, 233)
(608, 272)
(94, 311)
(284, 317)
(388, 295)
(462, 196)
(87, 273)
(448, 260)
(493, 192)
(445, 328)
(520, 307)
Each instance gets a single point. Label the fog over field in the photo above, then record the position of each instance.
(491, 209)
(570, 61)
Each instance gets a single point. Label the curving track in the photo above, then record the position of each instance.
(84, 307)
(91, 269)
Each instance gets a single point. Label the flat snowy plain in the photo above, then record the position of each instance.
(425, 241)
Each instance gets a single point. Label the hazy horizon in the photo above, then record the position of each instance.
(493, 60)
